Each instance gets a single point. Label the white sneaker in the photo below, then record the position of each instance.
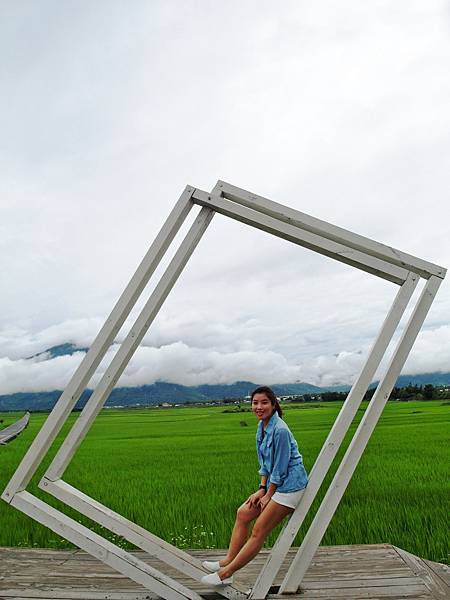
(214, 580)
(211, 565)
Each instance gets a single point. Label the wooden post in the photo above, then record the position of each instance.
(97, 351)
(106, 551)
(359, 442)
(128, 346)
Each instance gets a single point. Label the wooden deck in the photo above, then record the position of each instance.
(376, 572)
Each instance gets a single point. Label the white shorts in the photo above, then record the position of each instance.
(290, 499)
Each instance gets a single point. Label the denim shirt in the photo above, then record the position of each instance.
(278, 456)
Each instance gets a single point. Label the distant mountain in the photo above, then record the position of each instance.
(151, 395)
(61, 350)
(33, 401)
(172, 393)
(435, 379)
(243, 388)
(423, 379)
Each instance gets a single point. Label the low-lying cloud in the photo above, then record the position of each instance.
(180, 363)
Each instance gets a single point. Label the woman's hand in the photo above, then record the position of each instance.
(255, 498)
(264, 501)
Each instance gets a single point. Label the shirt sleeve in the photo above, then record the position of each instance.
(262, 470)
(282, 455)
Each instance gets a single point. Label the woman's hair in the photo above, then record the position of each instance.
(264, 389)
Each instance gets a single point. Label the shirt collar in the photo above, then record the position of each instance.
(270, 425)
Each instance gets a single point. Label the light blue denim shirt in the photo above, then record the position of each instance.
(278, 456)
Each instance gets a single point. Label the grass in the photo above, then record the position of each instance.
(181, 473)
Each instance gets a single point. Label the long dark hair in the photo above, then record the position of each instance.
(264, 389)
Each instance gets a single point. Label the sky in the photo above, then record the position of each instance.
(110, 108)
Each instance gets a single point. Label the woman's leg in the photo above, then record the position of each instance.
(269, 518)
(244, 516)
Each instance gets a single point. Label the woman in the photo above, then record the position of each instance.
(283, 477)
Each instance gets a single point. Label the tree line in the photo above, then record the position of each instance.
(407, 393)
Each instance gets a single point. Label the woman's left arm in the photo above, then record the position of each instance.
(282, 454)
(281, 457)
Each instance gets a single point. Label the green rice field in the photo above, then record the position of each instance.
(182, 472)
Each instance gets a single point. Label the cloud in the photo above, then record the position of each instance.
(431, 352)
(36, 375)
(18, 343)
(179, 363)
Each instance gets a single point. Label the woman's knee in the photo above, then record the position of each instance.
(245, 514)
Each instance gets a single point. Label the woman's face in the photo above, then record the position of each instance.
(262, 407)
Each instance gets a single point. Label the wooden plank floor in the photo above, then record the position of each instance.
(376, 572)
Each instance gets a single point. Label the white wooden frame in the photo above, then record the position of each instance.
(342, 245)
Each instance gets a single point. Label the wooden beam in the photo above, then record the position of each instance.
(332, 232)
(312, 241)
(106, 551)
(137, 535)
(97, 351)
(128, 346)
(359, 442)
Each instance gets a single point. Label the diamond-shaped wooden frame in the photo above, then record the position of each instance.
(355, 250)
